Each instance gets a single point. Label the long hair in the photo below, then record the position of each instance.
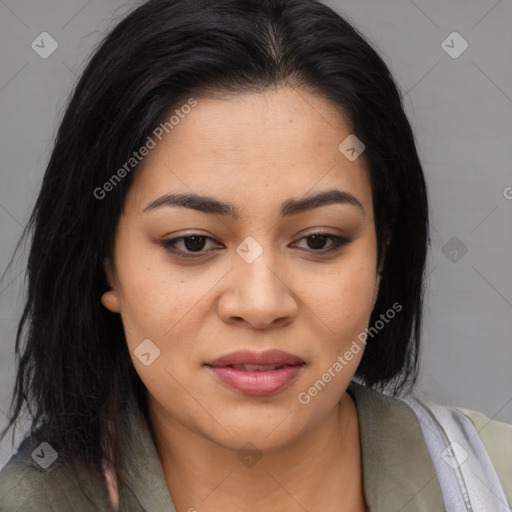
(74, 371)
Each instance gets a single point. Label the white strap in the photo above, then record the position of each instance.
(466, 475)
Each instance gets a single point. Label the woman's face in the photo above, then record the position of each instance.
(254, 278)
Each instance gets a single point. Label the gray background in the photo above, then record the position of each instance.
(461, 112)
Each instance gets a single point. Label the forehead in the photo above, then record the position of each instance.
(266, 147)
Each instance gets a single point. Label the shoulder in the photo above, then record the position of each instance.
(23, 483)
(496, 436)
(389, 416)
(34, 479)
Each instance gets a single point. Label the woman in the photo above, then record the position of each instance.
(226, 272)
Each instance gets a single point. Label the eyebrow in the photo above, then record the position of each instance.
(290, 207)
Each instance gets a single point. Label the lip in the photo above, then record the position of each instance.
(270, 356)
(256, 382)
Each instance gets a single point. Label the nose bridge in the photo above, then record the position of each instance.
(258, 293)
(257, 271)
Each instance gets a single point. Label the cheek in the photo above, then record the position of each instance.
(151, 294)
(153, 303)
(159, 300)
(342, 307)
(352, 302)
(342, 301)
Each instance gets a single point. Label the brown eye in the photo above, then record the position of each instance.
(192, 244)
(317, 241)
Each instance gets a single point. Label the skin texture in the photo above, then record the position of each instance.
(255, 151)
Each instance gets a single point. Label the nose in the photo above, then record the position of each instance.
(257, 294)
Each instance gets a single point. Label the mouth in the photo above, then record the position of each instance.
(248, 360)
(255, 367)
(256, 373)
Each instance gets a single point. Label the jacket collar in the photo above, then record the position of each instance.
(398, 473)
(145, 479)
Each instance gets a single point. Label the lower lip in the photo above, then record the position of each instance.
(257, 383)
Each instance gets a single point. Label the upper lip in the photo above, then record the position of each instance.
(266, 357)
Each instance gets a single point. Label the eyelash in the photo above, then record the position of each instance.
(169, 245)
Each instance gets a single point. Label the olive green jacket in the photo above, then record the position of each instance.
(398, 473)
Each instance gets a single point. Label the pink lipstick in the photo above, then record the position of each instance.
(257, 373)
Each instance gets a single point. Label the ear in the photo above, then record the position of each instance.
(110, 299)
(380, 269)
(377, 286)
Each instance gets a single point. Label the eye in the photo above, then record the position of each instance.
(193, 244)
(317, 241)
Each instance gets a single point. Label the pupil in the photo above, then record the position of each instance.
(193, 243)
(319, 239)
